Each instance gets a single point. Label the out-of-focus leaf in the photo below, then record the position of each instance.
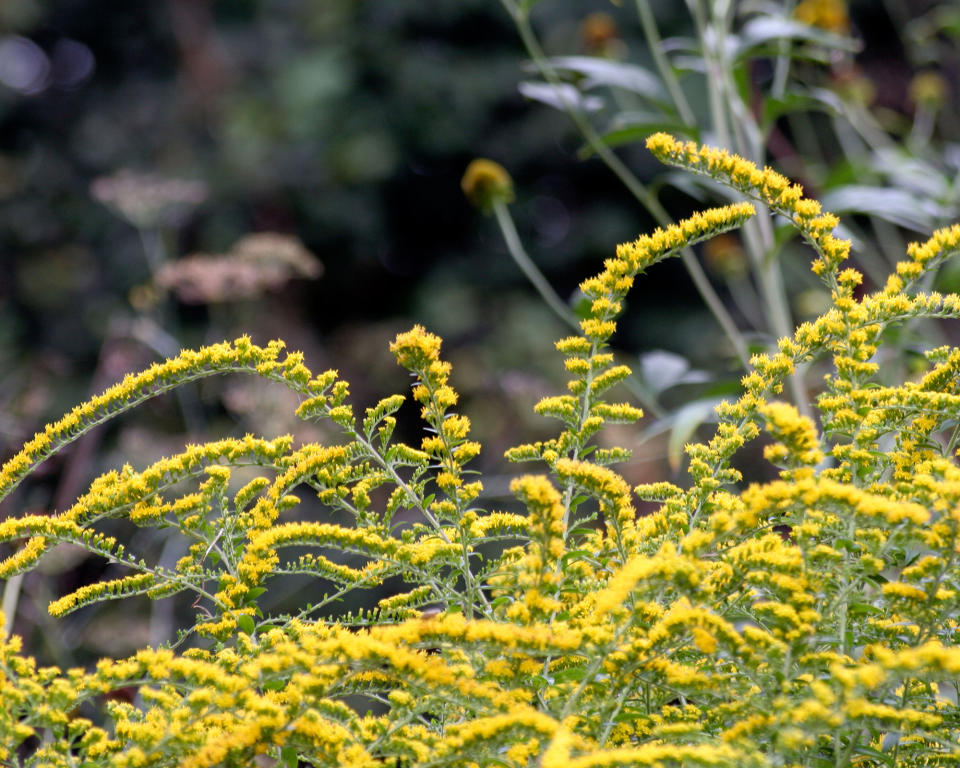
(580, 304)
(688, 184)
(684, 424)
(629, 127)
(701, 188)
(793, 101)
(909, 172)
(615, 74)
(948, 21)
(830, 100)
(661, 370)
(951, 155)
(765, 29)
(885, 758)
(683, 44)
(799, 99)
(948, 277)
(690, 63)
(944, 20)
(894, 205)
(560, 96)
(689, 55)
(784, 233)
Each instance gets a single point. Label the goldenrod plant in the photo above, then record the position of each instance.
(809, 620)
(776, 82)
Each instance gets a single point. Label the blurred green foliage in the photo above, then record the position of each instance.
(345, 123)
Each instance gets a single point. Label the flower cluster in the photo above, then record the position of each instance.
(766, 186)
(806, 620)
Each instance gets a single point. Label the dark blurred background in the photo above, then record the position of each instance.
(136, 135)
(346, 125)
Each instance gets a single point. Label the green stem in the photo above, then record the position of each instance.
(781, 69)
(11, 596)
(774, 300)
(904, 697)
(636, 188)
(391, 470)
(728, 108)
(655, 45)
(715, 96)
(534, 275)
(924, 122)
(154, 250)
(553, 300)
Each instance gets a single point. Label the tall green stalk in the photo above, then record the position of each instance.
(655, 44)
(735, 125)
(647, 199)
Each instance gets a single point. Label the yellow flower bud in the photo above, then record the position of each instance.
(929, 89)
(485, 182)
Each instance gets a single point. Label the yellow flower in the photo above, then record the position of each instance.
(486, 182)
(929, 89)
(416, 348)
(827, 14)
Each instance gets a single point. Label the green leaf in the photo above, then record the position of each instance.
(904, 171)
(575, 554)
(580, 305)
(630, 127)
(766, 29)
(863, 609)
(562, 96)
(885, 758)
(661, 370)
(246, 623)
(289, 757)
(846, 544)
(790, 103)
(615, 74)
(571, 675)
(894, 205)
(684, 424)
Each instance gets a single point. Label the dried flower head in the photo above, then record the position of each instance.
(148, 200)
(599, 32)
(257, 263)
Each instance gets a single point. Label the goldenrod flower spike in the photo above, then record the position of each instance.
(942, 245)
(134, 493)
(806, 617)
(767, 186)
(189, 365)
